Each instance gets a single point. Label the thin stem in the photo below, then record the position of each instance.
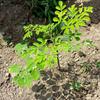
(59, 68)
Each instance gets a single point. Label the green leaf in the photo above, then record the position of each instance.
(57, 12)
(64, 12)
(58, 8)
(98, 64)
(55, 19)
(80, 10)
(14, 69)
(66, 31)
(60, 3)
(63, 7)
(65, 17)
(42, 65)
(28, 80)
(23, 80)
(29, 61)
(82, 23)
(86, 19)
(75, 85)
(28, 35)
(35, 74)
(88, 42)
(19, 48)
(90, 9)
(19, 80)
(40, 40)
(36, 44)
(72, 27)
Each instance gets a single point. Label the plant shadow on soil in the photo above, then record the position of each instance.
(56, 85)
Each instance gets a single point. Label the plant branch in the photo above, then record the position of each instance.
(58, 62)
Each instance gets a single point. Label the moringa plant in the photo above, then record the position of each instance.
(47, 41)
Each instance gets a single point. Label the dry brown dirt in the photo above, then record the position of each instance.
(53, 85)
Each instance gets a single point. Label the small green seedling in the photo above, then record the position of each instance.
(75, 85)
(86, 66)
(98, 64)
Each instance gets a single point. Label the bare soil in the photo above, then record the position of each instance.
(53, 85)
